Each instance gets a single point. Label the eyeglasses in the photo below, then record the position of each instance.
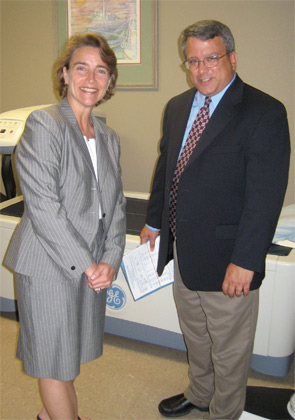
(209, 62)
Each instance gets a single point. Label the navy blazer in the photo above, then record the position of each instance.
(231, 192)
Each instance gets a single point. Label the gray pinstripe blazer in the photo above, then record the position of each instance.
(58, 230)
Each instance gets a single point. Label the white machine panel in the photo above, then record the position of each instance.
(275, 332)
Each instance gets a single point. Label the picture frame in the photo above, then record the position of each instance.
(139, 76)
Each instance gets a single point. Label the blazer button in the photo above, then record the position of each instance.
(104, 215)
(73, 267)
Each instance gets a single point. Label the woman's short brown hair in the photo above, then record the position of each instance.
(89, 39)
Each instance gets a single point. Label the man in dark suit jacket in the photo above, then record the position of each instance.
(229, 199)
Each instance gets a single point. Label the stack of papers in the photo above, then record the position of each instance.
(140, 269)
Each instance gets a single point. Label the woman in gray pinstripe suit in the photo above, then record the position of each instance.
(68, 246)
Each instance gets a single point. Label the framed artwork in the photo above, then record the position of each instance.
(130, 28)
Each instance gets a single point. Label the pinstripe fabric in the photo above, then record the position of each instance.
(58, 236)
(61, 325)
(61, 196)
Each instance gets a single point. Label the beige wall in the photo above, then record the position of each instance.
(264, 34)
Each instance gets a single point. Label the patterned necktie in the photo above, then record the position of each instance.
(193, 137)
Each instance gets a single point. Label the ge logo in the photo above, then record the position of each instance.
(116, 297)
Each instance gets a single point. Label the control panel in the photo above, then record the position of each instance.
(10, 132)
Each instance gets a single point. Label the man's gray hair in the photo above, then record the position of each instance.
(209, 29)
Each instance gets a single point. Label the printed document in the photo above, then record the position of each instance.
(140, 269)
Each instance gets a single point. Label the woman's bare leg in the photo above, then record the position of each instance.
(59, 399)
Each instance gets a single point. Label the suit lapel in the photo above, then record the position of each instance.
(223, 114)
(77, 137)
(100, 137)
(102, 152)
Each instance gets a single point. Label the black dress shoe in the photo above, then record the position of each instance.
(177, 406)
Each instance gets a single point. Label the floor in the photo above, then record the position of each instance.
(127, 382)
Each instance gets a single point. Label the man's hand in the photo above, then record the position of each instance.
(237, 281)
(149, 235)
(100, 276)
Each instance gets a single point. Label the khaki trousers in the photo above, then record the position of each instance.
(219, 334)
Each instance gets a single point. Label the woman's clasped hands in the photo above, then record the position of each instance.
(100, 276)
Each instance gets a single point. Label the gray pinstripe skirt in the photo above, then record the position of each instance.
(61, 325)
